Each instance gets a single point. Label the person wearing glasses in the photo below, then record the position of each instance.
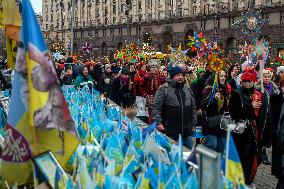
(247, 103)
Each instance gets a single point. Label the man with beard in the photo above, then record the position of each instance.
(174, 108)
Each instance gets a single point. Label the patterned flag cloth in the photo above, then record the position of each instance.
(38, 118)
(234, 169)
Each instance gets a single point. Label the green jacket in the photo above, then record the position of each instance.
(80, 80)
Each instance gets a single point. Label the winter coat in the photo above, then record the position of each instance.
(174, 107)
(121, 95)
(274, 88)
(80, 81)
(67, 80)
(249, 144)
(214, 108)
(138, 81)
(105, 84)
(277, 102)
(281, 135)
(150, 84)
(197, 88)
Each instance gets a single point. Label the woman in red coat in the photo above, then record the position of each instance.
(149, 86)
(139, 79)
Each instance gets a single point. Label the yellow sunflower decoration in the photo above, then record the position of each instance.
(215, 64)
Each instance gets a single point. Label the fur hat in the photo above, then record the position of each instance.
(249, 74)
(266, 71)
(107, 66)
(279, 69)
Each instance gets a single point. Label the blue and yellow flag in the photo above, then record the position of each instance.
(38, 114)
(234, 169)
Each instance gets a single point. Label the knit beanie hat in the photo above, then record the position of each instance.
(174, 71)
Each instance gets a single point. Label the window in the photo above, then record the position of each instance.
(236, 7)
(268, 3)
(83, 13)
(120, 31)
(114, 20)
(180, 11)
(266, 19)
(139, 5)
(104, 32)
(106, 21)
(114, 9)
(206, 9)
(137, 30)
(46, 28)
(194, 10)
(282, 18)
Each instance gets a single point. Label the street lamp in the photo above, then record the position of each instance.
(62, 21)
(127, 12)
(72, 28)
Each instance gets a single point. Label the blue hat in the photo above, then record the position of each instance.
(174, 71)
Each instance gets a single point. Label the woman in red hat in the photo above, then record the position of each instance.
(246, 103)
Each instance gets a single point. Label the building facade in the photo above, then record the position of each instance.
(104, 23)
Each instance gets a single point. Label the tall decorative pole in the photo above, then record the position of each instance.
(72, 28)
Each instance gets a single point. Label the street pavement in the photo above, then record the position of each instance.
(264, 179)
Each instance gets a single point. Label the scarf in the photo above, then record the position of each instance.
(269, 88)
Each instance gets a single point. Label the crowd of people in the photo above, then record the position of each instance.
(178, 99)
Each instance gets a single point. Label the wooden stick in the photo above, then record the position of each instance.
(261, 75)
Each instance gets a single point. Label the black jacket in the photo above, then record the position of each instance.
(174, 107)
(105, 84)
(248, 145)
(121, 95)
(211, 109)
(277, 102)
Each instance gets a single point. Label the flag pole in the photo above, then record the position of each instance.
(72, 28)
(227, 148)
(261, 67)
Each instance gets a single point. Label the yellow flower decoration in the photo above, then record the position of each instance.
(216, 64)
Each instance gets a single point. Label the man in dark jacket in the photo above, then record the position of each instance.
(174, 108)
(277, 124)
(280, 183)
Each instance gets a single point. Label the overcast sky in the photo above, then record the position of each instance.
(37, 5)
